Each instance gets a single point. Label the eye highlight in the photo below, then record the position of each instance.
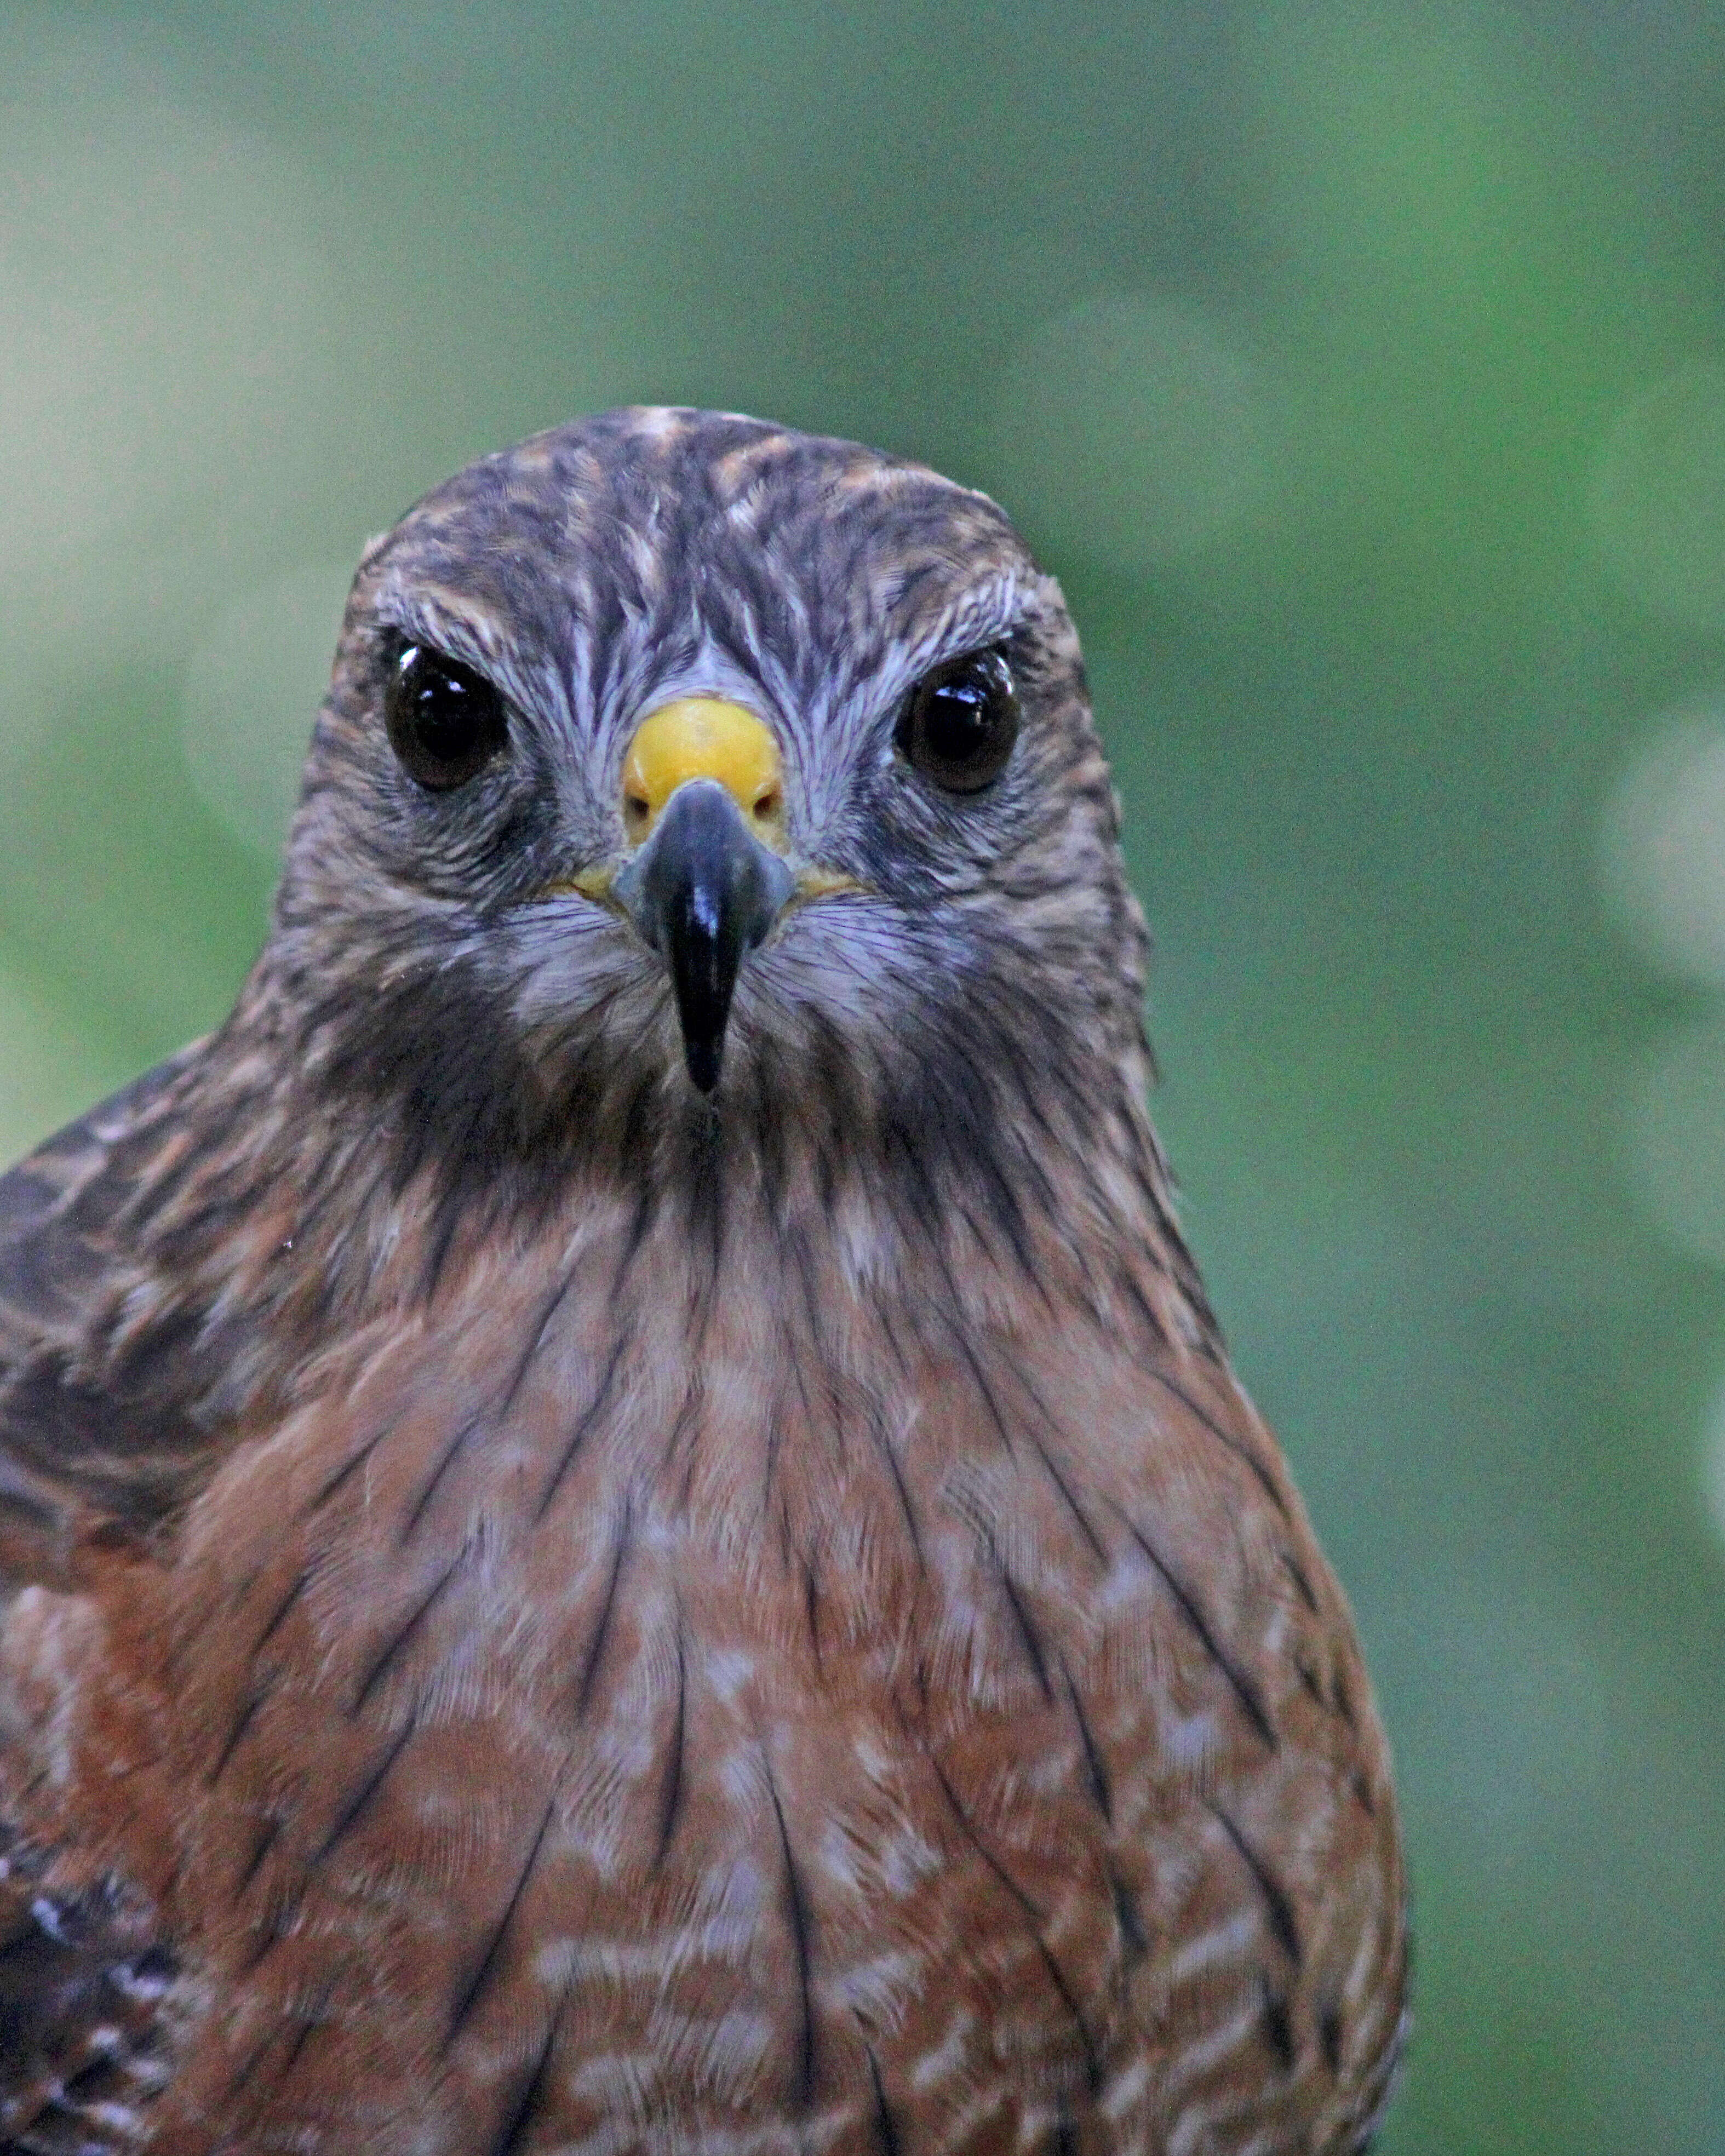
(960, 721)
(445, 721)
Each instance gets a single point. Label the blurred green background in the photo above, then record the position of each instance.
(1362, 372)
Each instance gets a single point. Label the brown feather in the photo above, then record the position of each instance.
(558, 1613)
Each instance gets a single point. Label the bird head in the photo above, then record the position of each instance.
(687, 783)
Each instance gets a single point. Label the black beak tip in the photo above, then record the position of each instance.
(703, 1057)
(704, 893)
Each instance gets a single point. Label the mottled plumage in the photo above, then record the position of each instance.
(549, 1609)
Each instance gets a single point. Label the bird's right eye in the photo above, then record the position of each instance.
(445, 721)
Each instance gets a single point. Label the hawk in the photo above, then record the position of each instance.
(625, 1526)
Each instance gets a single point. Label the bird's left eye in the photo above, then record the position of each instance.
(960, 721)
(445, 721)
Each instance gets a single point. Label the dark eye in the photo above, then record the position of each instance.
(960, 721)
(445, 721)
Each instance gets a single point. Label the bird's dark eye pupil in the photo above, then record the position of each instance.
(446, 721)
(960, 721)
(956, 721)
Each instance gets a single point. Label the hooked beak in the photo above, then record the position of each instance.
(704, 891)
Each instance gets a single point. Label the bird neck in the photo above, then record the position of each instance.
(276, 1214)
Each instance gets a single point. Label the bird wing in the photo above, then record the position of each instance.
(84, 1970)
(83, 1976)
(89, 1437)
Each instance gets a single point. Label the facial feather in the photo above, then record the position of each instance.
(955, 1029)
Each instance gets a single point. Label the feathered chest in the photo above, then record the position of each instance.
(614, 1712)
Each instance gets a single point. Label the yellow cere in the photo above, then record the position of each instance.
(703, 738)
